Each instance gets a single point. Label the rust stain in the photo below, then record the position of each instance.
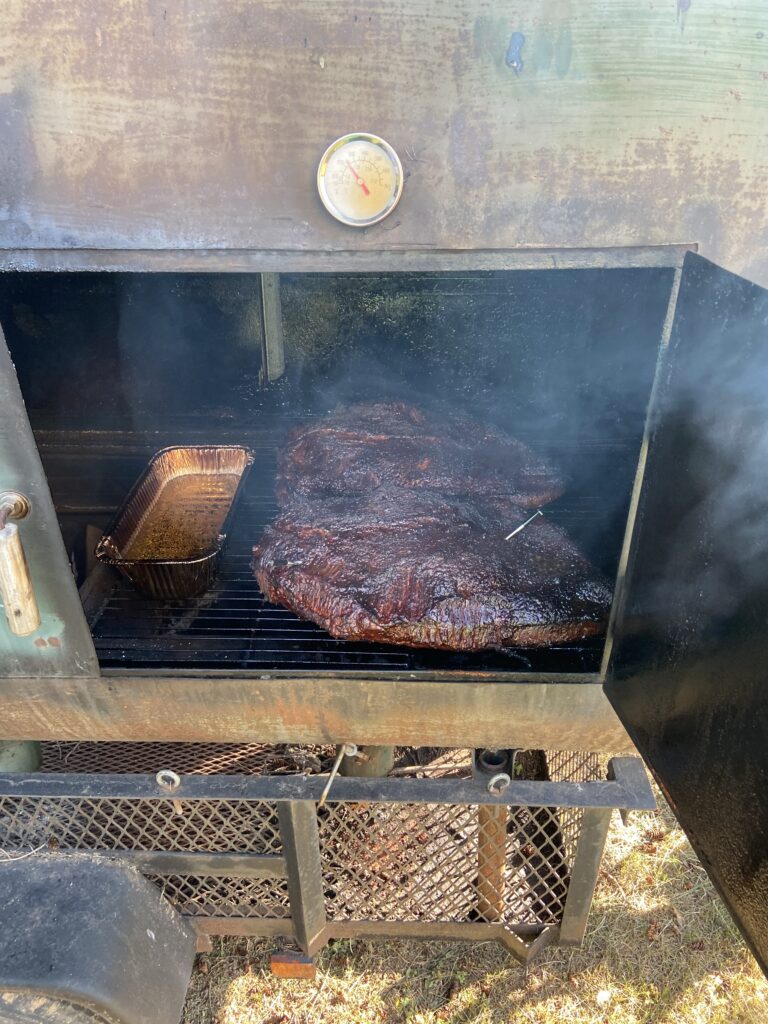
(40, 642)
(54, 641)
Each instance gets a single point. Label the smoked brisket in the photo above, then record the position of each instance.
(371, 445)
(426, 569)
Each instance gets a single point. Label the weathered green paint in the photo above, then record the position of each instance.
(62, 645)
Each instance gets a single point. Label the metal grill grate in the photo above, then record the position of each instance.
(427, 862)
(186, 758)
(108, 824)
(575, 766)
(204, 896)
(233, 627)
(380, 861)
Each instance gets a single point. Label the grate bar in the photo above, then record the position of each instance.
(628, 789)
(212, 865)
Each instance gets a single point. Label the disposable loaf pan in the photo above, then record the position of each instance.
(168, 535)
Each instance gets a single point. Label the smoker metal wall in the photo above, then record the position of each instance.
(197, 125)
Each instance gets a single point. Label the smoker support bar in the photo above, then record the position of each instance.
(300, 863)
(627, 789)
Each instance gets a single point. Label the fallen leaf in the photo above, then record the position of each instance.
(652, 932)
(202, 967)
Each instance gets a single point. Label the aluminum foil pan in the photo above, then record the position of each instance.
(168, 535)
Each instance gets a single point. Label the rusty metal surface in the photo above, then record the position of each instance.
(519, 123)
(443, 711)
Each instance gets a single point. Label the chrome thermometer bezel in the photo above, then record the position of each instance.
(322, 168)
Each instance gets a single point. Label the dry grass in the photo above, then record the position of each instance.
(660, 949)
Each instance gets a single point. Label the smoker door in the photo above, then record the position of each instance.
(61, 644)
(689, 670)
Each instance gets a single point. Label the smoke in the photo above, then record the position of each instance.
(563, 360)
(704, 536)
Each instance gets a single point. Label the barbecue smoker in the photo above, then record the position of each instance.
(190, 260)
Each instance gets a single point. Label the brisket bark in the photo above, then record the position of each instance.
(425, 569)
(391, 443)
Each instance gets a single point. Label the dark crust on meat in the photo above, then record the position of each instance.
(426, 570)
(394, 444)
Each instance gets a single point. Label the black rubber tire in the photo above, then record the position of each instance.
(28, 1008)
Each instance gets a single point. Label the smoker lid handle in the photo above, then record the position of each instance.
(16, 591)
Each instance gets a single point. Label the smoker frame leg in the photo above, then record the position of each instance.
(584, 870)
(301, 849)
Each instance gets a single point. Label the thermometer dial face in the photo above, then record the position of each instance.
(360, 179)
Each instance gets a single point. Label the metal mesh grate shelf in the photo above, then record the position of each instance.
(202, 896)
(102, 823)
(423, 862)
(421, 852)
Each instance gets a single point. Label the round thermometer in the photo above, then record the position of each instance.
(360, 179)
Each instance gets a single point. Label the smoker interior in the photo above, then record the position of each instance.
(115, 366)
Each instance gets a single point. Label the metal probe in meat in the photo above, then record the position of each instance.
(522, 526)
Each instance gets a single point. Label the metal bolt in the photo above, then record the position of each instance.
(498, 783)
(13, 506)
(167, 779)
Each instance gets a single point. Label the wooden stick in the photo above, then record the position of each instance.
(491, 860)
(16, 590)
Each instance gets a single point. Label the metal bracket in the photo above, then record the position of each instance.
(272, 349)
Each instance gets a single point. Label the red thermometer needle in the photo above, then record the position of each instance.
(360, 182)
